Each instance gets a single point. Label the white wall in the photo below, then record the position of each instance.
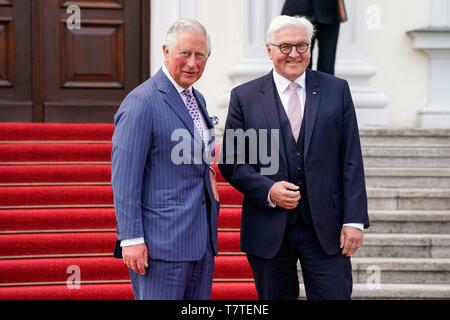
(402, 72)
(222, 20)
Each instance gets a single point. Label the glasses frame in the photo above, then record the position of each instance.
(292, 46)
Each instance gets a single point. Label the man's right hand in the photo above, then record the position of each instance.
(285, 194)
(136, 257)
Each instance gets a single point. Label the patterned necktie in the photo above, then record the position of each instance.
(294, 110)
(192, 107)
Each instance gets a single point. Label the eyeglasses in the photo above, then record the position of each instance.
(286, 48)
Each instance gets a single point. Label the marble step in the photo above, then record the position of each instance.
(401, 270)
(409, 221)
(374, 271)
(412, 137)
(400, 245)
(399, 291)
(408, 199)
(396, 291)
(379, 177)
(406, 156)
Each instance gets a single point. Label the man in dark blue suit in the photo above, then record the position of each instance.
(324, 14)
(313, 206)
(165, 193)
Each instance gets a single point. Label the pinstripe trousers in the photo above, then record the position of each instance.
(176, 280)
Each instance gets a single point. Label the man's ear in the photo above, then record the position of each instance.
(269, 50)
(166, 50)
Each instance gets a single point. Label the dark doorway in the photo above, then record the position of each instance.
(52, 73)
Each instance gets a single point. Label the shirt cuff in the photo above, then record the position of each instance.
(269, 202)
(360, 226)
(132, 242)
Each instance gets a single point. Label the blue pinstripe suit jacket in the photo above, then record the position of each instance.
(171, 205)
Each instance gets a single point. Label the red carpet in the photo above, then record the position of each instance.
(56, 132)
(62, 292)
(57, 219)
(56, 211)
(55, 152)
(81, 243)
(83, 219)
(46, 174)
(221, 291)
(100, 269)
(80, 195)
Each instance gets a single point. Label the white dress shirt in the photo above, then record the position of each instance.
(282, 86)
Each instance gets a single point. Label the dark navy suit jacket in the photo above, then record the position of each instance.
(333, 163)
(171, 205)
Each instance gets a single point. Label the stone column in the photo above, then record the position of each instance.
(255, 19)
(435, 41)
(370, 103)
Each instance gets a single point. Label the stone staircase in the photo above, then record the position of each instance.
(406, 252)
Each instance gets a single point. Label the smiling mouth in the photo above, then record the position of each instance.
(294, 62)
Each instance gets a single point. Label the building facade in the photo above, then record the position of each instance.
(392, 76)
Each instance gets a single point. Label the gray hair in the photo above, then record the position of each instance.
(281, 22)
(186, 25)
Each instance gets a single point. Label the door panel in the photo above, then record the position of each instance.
(15, 60)
(106, 4)
(76, 75)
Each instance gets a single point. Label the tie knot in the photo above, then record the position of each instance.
(293, 86)
(187, 93)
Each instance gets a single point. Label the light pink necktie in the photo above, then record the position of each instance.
(294, 110)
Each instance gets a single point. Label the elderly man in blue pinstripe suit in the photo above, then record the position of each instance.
(166, 210)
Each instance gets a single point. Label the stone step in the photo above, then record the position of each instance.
(409, 221)
(398, 270)
(406, 156)
(379, 177)
(396, 291)
(412, 137)
(398, 245)
(401, 270)
(408, 199)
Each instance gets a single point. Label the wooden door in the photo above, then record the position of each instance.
(15, 60)
(75, 75)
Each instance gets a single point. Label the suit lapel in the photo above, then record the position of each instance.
(311, 107)
(173, 99)
(268, 98)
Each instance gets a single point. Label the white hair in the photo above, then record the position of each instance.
(186, 25)
(281, 22)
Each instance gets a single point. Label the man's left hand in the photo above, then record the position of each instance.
(212, 178)
(351, 240)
